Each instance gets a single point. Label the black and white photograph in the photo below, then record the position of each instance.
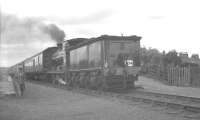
(99, 60)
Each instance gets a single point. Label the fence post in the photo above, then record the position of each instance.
(175, 80)
(176, 75)
(182, 76)
(185, 76)
(168, 77)
(169, 71)
(179, 77)
(189, 78)
(173, 75)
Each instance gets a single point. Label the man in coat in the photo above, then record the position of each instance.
(21, 81)
(15, 84)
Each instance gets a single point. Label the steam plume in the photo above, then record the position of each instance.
(54, 32)
(31, 28)
(24, 37)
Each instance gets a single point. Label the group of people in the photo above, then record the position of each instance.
(18, 82)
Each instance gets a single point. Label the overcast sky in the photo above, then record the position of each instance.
(162, 24)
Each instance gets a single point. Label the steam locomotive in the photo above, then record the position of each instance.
(105, 62)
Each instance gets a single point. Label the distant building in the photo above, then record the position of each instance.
(195, 56)
(193, 61)
(183, 55)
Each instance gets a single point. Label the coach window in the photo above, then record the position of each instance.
(40, 59)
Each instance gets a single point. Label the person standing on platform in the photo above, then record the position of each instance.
(21, 81)
(15, 84)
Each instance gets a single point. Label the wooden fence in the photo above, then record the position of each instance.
(195, 76)
(179, 76)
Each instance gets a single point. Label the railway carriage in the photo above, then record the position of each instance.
(14, 69)
(106, 62)
(38, 66)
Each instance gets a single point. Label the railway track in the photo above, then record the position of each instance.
(178, 104)
(173, 101)
(188, 103)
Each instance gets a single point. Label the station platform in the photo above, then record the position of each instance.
(155, 86)
(6, 86)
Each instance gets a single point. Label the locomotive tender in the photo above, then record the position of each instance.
(105, 62)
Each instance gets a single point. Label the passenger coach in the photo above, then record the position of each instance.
(38, 66)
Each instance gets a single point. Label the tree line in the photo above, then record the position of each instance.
(155, 57)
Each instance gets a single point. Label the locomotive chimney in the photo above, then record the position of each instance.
(59, 45)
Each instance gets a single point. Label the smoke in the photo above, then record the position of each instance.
(26, 29)
(24, 37)
(54, 32)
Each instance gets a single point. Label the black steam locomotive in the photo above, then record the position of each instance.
(105, 62)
